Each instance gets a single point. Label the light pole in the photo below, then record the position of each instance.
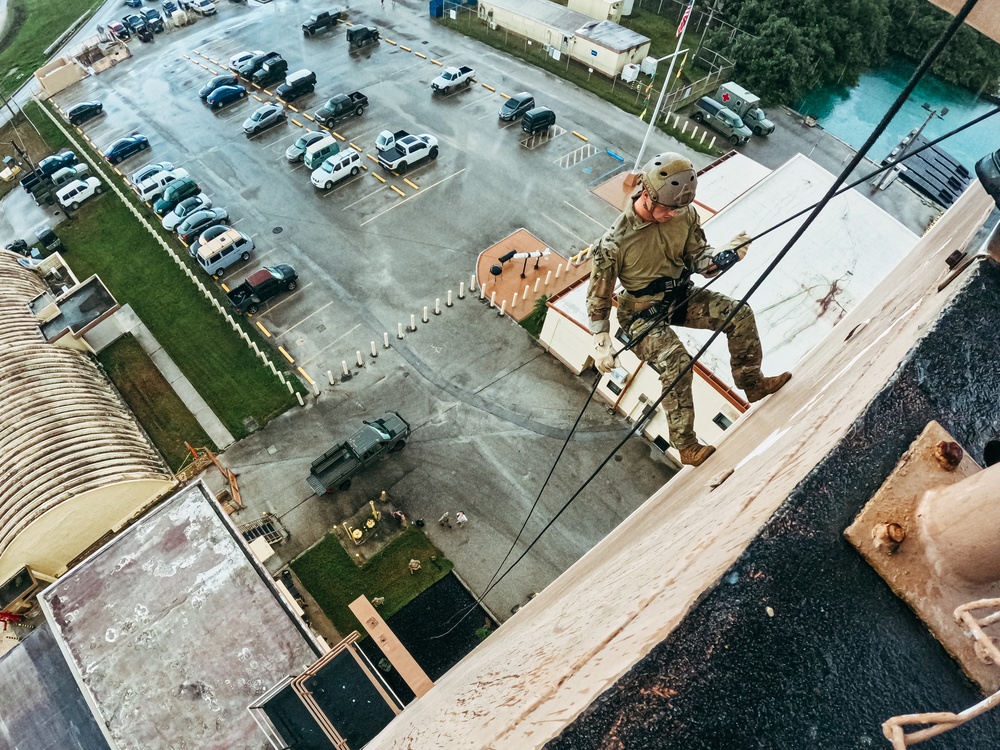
(906, 147)
(652, 120)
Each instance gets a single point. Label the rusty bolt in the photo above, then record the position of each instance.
(948, 454)
(888, 535)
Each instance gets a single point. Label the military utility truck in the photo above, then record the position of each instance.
(746, 105)
(334, 469)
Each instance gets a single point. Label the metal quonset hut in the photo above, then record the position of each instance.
(76, 464)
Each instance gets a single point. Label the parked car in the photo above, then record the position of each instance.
(261, 286)
(133, 21)
(144, 33)
(516, 106)
(153, 187)
(359, 36)
(225, 249)
(169, 8)
(206, 237)
(225, 95)
(133, 3)
(81, 112)
(263, 118)
(296, 85)
(724, 120)
(184, 209)
(153, 19)
(149, 170)
(248, 67)
(125, 147)
(336, 168)
(177, 191)
(51, 164)
(119, 30)
(199, 221)
(226, 79)
(72, 195)
(66, 175)
(537, 120)
(297, 150)
(325, 19)
(204, 7)
(241, 57)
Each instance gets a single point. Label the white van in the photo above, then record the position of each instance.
(217, 255)
(336, 168)
(320, 151)
(152, 187)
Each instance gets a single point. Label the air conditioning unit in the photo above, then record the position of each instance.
(630, 73)
(493, 26)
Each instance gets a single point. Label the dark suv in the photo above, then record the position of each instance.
(251, 66)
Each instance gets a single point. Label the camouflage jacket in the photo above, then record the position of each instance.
(638, 252)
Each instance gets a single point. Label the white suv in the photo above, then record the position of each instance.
(78, 191)
(205, 7)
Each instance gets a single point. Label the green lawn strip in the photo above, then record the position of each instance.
(105, 239)
(32, 25)
(159, 409)
(614, 91)
(334, 581)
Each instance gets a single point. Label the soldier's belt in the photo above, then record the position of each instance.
(662, 285)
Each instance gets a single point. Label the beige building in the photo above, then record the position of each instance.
(602, 45)
(76, 463)
(602, 10)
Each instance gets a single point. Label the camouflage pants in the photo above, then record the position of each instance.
(664, 351)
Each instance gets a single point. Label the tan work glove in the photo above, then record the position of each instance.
(738, 240)
(604, 359)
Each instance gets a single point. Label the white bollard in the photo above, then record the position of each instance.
(703, 134)
(548, 278)
(684, 129)
(256, 349)
(329, 376)
(461, 290)
(482, 292)
(437, 304)
(538, 283)
(424, 318)
(361, 361)
(513, 302)
(525, 295)
(399, 330)
(712, 144)
(374, 351)
(413, 324)
(503, 309)
(558, 270)
(343, 364)
(385, 340)
(299, 397)
(290, 388)
(472, 283)
(316, 389)
(493, 299)
(449, 303)
(274, 370)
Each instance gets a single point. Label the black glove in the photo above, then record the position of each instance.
(725, 259)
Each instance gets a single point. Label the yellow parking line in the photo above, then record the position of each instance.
(292, 108)
(184, 243)
(303, 374)
(405, 49)
(186, 57)
(372, 158)
(225, 287)
(348, 24)
(364, 167)
(257, 98)
(420, 55)
(415, 187)
(391, 42)
(268, 92)
(437, 62)
(214, 62)
(490, 88)
(336, 134)
(256, 86)
(263, 330)
(307, 116)
(379, 177)
(295, 121)
(581, 137)
(287, 356)
(401, 193)
(356, 148)
(118, 172)
(505, 96)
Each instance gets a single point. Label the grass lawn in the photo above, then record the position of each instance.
(154, 402)
(105, 239)
(620, 94)
(334, 581)
(32, 25)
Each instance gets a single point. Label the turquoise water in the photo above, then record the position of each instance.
(851, 114)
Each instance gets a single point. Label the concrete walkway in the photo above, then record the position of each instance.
(130, 323)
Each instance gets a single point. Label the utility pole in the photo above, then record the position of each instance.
(878, 185)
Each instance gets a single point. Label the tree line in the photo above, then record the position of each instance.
(785, 48)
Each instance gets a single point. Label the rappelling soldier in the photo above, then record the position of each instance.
(652, 249)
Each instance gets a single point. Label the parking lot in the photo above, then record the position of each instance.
(489, 407)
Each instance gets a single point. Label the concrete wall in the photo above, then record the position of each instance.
(59, 74)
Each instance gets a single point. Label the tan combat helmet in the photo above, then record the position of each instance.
(669, 179)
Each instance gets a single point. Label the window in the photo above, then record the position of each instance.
(722, 421)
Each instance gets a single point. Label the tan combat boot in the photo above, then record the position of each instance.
(695, 455)
(767, 386)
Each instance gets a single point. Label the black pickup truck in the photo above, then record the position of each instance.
(260, 286)
(334, 469)
(340, 107)
(325, 19)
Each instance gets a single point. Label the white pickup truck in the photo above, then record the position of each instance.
(399, 151)
(453, 77)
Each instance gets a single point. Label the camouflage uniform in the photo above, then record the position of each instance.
(637, 253)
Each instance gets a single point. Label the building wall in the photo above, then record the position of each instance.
(602, 10)
(519, 24)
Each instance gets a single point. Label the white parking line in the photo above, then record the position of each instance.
(286, 299)
(601, 224)
(344, 183)
(477, 101)
(330, 345)
(314, 312)
(408, 198)
(366, 197)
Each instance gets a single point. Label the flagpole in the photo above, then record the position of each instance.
(666, 83)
